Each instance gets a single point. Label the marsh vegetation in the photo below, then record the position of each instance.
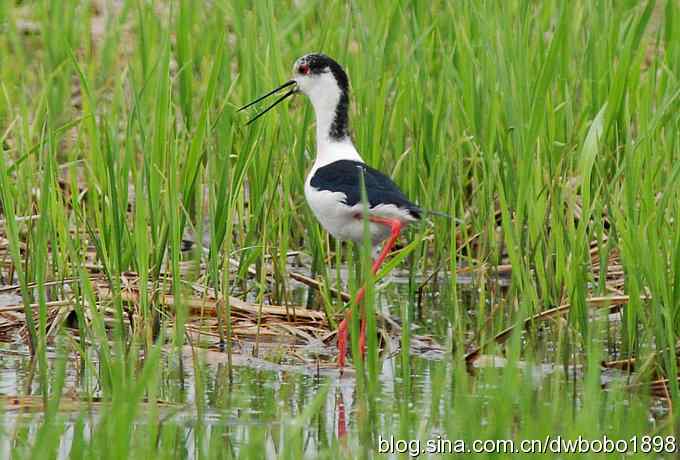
(550, 130)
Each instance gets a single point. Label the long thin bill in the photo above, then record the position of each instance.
(289, 93)
(274, 91)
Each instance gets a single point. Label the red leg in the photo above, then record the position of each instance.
(342, 340)
(362, 337)
(343, 333)
(395, 226)
(342, 424)
(343, 329)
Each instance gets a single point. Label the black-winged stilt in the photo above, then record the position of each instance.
(333, 186)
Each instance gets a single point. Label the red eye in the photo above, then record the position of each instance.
(304, 69)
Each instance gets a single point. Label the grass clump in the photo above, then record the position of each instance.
(550, 129)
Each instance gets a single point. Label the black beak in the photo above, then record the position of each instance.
(270, 93)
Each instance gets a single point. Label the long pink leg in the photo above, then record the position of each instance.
(395, 227)
(342, 424)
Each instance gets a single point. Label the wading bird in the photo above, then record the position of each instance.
(333, 187)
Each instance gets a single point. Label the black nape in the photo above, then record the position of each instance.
(340, 126)
(319, 63)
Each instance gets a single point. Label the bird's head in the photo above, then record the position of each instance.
(317, 76)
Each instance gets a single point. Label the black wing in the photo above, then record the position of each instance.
(344, 176)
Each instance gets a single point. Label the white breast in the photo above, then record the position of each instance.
(329, 209)
(345, 222)
(340, 220)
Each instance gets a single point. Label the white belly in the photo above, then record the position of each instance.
(345, 222)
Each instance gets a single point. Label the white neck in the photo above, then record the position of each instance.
(325, 97)
(328, 151)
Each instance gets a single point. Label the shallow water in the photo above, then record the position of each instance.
(269, 389)
(261, 393)
(262, 397)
